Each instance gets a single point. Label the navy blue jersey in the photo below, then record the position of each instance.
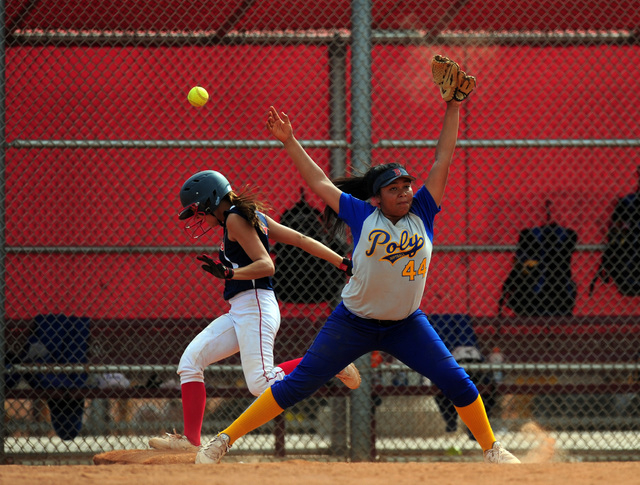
(234, 256)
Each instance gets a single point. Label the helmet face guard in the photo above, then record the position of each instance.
(195, 225)
(200, 195)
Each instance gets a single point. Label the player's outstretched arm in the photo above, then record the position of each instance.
(286, 235)
(280, 127)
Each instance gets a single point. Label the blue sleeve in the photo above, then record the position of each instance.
(425, 208)
(353, 212)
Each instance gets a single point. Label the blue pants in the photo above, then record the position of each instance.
(345, 337)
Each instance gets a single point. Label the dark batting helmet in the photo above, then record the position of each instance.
(203, 192)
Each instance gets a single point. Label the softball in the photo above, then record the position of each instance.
(198, 96)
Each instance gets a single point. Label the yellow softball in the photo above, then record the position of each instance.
(198, 96)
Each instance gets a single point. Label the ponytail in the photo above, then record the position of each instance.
(248, 204)
(360, 187)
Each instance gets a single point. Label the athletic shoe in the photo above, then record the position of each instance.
(214, 450)
(497, 454)
(173, 441)
(350, 376)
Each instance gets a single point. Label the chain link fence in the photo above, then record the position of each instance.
(534, 281)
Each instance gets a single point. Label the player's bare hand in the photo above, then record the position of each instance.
(279, 125)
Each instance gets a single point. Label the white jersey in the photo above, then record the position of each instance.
(390, 261)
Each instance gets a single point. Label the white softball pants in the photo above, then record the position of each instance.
(250, 327)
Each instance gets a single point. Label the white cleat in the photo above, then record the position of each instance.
(350, 376)
(214, 450)
(497, 454)
(173, 441)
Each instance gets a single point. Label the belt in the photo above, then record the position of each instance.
(375, 321)
(384, 323)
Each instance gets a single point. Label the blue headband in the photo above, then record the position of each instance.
(388, 176)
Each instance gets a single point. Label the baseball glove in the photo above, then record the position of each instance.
(453, 82)
(466, 84)
(445, 75)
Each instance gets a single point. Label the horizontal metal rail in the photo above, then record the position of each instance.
(149, 38)
(454, 248)
(181, 144)
(381, 390)
(515, 366)
(109, 249)
(263, 144)
(107, 369)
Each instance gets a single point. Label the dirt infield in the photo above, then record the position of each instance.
(296, 472)
(542, 464)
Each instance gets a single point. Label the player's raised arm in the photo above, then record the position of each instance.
(437, 179)
(280, 127)
(455, 85)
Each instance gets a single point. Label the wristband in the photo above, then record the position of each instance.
(347, 266)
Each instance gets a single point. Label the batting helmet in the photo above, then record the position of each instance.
(203, 192)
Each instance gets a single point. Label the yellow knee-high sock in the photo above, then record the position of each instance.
(263, 410)
(475, 417)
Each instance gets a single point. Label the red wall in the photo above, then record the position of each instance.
(128, 197)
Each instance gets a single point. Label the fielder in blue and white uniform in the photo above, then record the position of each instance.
(393, 240)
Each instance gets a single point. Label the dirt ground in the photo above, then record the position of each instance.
(158, 468)
(543, 464)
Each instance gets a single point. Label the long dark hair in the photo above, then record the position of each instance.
(361, 187)
(248, 203)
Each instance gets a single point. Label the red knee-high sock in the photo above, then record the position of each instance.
(194, 399)
(288, 366)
